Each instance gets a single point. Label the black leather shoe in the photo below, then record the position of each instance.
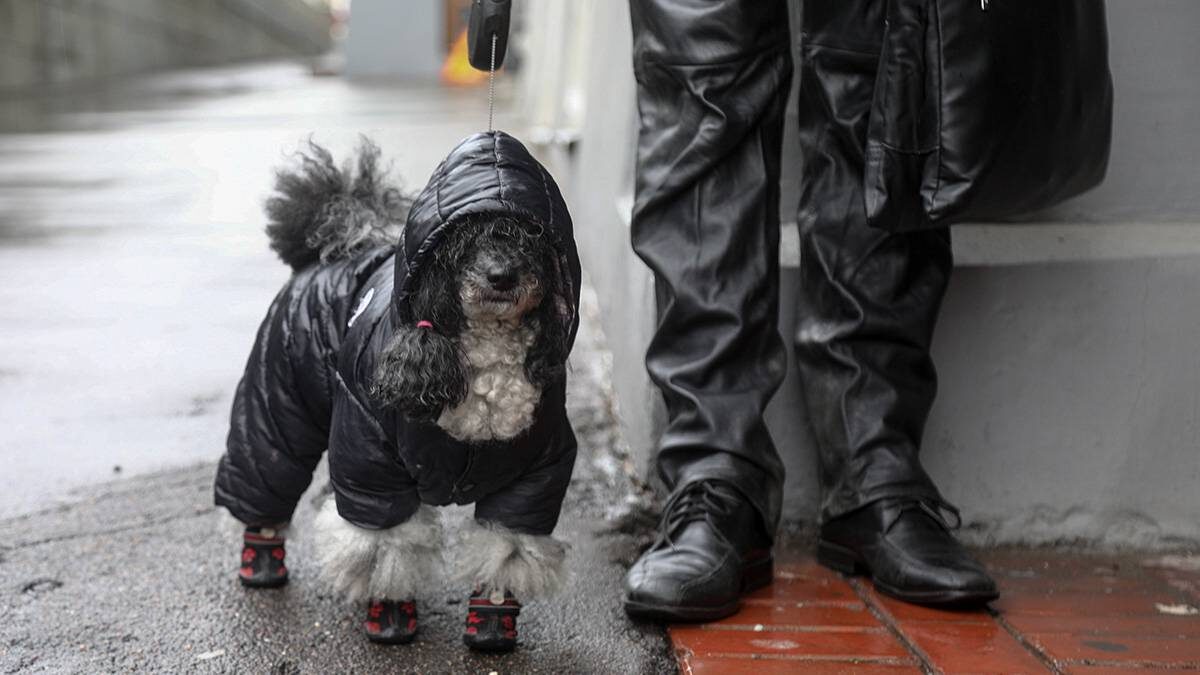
(906, 547)
(711, 549)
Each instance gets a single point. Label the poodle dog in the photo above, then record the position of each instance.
(429, 359)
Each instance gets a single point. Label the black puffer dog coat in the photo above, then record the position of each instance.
(306, 384)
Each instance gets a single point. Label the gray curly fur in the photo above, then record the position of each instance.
(323, 213)
(496, 559)
(392, 564)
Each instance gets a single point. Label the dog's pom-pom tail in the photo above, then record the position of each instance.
(322, 212)
(496, 559)
(420, 372)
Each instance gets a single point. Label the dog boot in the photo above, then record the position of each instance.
(492, 622)
(262, 559)
(391, 622)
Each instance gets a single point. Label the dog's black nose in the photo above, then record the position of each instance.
(502, 278)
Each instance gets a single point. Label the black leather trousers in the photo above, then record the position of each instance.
(713, 79)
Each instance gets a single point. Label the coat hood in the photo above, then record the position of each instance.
(487, 173)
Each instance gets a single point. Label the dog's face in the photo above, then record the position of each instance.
(500, 275)
(490, 270)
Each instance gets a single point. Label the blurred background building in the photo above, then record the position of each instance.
(54, 42)
(400, 39)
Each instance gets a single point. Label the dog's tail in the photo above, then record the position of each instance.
(321, 212)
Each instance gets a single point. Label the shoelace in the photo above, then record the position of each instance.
(696, 501)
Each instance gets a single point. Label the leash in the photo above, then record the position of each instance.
(487, 43)
(492, 86)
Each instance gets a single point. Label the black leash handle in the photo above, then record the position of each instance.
(488, 30)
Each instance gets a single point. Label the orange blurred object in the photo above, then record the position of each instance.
(457, 69)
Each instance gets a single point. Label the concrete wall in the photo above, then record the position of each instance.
(1068, 406)
(50, 42)
(600, 192)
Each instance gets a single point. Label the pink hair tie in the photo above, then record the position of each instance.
(424, 324)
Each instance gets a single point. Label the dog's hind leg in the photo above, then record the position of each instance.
(276, 438)
(278, 427)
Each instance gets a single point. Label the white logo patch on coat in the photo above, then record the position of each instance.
(362, 307)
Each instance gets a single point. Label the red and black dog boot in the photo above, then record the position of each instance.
(262, 559)
(492, 622)
(391, 622)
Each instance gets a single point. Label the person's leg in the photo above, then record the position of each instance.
(868, 303)
(713, 79)
(868, 298)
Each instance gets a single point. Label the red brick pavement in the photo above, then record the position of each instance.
(1059, 612)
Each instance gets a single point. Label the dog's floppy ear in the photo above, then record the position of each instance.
(547, 358)
(420, 372)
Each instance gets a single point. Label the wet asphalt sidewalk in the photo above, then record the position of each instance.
(133, 274)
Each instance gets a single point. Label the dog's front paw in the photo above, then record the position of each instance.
(391, 622)
(492, 622)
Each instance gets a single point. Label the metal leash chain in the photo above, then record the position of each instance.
(492, 86)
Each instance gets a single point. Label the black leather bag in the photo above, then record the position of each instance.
(987, 109)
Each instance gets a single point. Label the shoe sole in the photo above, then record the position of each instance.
(394, 640)
(491, 647)
(846, 561)
(270, 583)
(755, 575)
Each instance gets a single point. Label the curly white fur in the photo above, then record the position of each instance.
(499, 560)
(500, 398)
(383, 564)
